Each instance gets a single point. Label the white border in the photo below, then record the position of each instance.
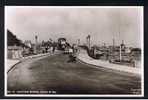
(77, 95)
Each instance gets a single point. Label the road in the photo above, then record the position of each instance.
(55, 73)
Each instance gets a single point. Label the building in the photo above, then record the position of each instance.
(15, 47)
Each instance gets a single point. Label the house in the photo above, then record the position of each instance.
(14, 52)
(15, 47)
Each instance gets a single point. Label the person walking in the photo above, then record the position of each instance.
(53, 48)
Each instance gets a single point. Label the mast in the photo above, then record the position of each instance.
(120, 51)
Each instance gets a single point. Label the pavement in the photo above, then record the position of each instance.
(83, 56)
(12, 62)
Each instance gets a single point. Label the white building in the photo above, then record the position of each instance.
(14, 52)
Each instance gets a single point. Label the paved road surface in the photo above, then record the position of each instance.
(54, 73)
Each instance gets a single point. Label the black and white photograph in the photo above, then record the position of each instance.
(74, 51)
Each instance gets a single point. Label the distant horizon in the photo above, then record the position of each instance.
(103, 24)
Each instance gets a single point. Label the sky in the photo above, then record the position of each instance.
(101, 23)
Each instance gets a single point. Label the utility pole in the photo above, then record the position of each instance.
(36, 43)
(36, 37)
(88, 41)
(113, 44)
(120, 53)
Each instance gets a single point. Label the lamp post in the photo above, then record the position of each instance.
(88, 41)
(36, 43)
(120, 53)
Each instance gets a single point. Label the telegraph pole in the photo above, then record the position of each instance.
(120, 51)
(36, 43)
(88, 38)
(113, 44)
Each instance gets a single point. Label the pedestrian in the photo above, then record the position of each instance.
(46, 50)
(72, 56)
(53, 49)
